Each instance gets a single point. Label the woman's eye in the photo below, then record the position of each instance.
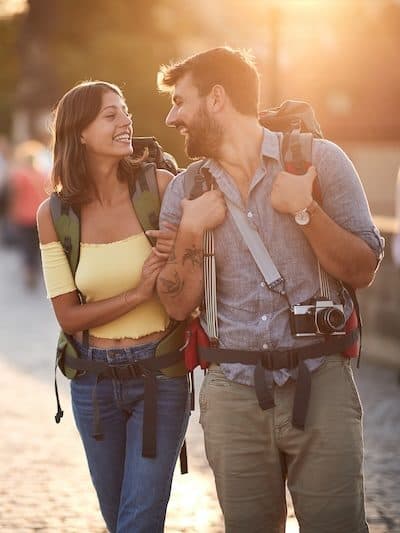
(110, 116)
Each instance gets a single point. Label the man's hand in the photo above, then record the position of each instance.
(292, 193)
(205, 212)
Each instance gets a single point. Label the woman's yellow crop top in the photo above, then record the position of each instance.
(106, 270)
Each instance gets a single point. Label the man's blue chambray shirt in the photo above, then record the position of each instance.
(250, 316)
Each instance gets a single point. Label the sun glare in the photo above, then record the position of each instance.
(12, 7)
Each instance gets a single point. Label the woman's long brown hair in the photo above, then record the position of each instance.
(74, 112)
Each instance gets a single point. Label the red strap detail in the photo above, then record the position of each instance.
(196, 336)
(351, 324)
(317, 194)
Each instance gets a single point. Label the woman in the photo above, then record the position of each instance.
(116, 275)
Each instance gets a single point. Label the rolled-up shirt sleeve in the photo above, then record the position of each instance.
(343, 195)
(171, 209)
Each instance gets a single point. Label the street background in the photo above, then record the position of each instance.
(339, 55)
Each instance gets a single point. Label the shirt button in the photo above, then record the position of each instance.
(265, 346)
(250, 214)
(262, 284)
(264, 318)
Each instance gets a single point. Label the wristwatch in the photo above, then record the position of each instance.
(303, 217)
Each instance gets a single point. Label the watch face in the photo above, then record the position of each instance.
(302, 217)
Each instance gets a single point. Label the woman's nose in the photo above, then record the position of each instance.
(126, 119)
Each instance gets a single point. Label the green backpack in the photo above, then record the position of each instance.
(66, 220)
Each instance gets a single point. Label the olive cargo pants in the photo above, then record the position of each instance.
(253, 453)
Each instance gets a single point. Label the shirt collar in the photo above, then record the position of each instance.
(270, 148)
(271, 145)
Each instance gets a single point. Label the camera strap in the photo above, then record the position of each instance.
(257, 248)
(262, 258)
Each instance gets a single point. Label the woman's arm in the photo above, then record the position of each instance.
(71, 314)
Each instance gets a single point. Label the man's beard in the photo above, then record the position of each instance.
(204, 137)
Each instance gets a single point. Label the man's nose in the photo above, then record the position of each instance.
(171, 118)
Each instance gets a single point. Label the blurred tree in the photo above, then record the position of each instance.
(9, 71)
(121, 41)
(38, 83)
(339, 57)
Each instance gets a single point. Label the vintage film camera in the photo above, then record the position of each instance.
(321, 317)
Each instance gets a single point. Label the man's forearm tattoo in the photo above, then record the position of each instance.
(194, 255)
(172, 287)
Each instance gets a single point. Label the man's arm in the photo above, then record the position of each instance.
(341, 234)
(343, 255)
(180, 283)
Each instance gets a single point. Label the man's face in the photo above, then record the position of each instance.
(189, 114)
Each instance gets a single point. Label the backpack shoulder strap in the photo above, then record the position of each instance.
(296, 152)
(195, 182)
(146, 197)
(67, 224)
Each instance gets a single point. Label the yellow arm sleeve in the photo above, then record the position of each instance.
(56, 271)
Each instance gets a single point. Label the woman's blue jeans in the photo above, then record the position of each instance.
(133, 491)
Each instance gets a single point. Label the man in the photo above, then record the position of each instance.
(254, 451)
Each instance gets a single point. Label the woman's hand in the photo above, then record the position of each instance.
(151, 268)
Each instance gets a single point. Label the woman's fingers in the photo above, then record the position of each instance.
(162, 254)
(169, 226)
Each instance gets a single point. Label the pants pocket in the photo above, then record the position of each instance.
(203, 400)
(216, 378)
(348, 376)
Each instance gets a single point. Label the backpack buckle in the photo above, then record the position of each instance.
(293, 359)
(67, 245)
(130, 370)
(266, 360)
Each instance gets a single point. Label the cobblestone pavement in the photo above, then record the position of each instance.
(45, 485)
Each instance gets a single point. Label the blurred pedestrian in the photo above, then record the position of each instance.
(27, 190)
(5, 150)
(4, 164)
(110, 310)
(278, 404)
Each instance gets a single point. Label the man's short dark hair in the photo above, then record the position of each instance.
(235, 70)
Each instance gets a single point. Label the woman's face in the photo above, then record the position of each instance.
(110, 133)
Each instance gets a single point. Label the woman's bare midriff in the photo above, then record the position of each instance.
(126, 342)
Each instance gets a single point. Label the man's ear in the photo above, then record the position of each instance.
(216, 98)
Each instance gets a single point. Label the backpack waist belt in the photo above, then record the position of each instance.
(278, 359)
(146, 368)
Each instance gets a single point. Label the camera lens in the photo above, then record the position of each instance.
(330, 319)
